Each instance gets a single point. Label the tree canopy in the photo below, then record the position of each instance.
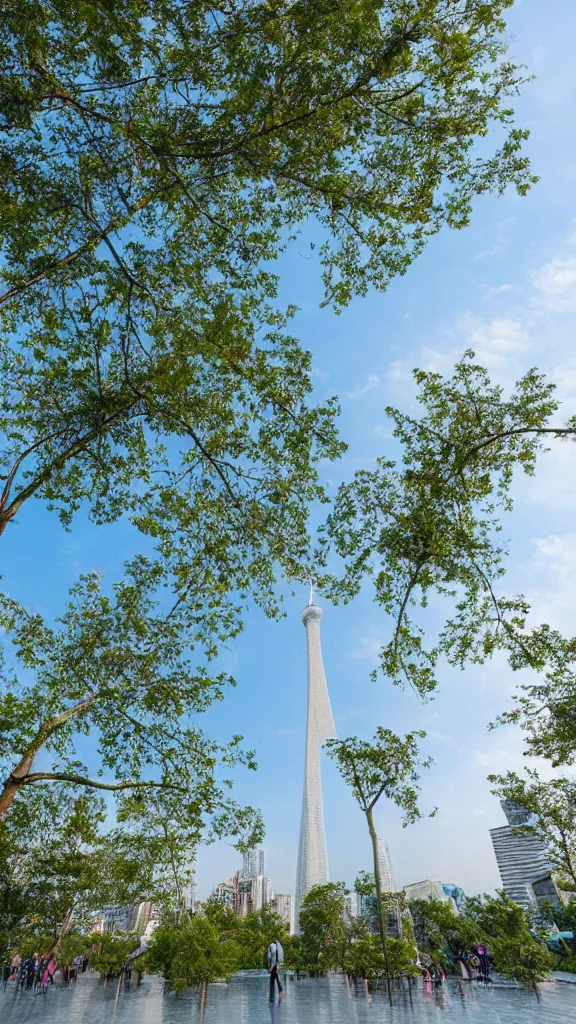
(431, 525)
(155, 160)
(387, 766)
(497, 923)
(125, 671)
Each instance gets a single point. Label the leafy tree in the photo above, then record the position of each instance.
(175, 149)
(386, 767)
(365, 959)
(439, 931)
(47, 860)
(552, 809)
(71, 946)
(505, 929)
(395, 906)
(294, 956)
(525, 960)
(153, 162)
(431, 525)
(190, 954)
(493, 921)
(109, 953)
(497, 916)
(121, 666)
(563, 915)
(58, 866)
(322, 926)
(160, 830)
(220, 915)
(255, 933)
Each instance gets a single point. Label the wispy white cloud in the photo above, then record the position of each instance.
(496, 338)
(497, 342)
(555, 284)
(69, 547)
(499, 289)
(554, 485)
(560, 551)
(510, 757)
(398, 373)
(554, 573)
(382, 431)
(368, 649)
(501, 241)
(372, 382)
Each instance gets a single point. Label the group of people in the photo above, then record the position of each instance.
(34, 972)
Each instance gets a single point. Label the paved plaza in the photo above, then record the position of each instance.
(314, 1001)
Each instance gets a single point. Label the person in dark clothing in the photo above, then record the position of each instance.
(274, 956)
(26, 973)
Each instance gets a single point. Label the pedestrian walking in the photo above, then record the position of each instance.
(274, 957)
(37, 968)
(48, 975)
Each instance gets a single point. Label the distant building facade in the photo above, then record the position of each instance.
(189, 898)
(283, 905)
(116, 918)
(250, 864)
(430, 888)
(454, 892)
(523, 861)
(244, 894)
(253, 863)
(524, 867)
(387, 879)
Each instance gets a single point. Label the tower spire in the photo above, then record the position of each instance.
(312, 854)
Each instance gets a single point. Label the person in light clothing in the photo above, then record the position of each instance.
(274, 956)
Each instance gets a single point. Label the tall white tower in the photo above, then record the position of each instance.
(312, 854)
(387, 879)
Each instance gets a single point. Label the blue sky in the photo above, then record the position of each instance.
(506, 287)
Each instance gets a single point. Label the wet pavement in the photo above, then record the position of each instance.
(308, 1001)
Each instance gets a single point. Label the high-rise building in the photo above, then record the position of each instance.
(522, 860)
(113, 918)
(515, 813)
(282, 904)
(189, 897)
(224, 891)
(312, 854)
(387, 880)
(250, 864)
(253, 863)
(244, 894)
(264, 891)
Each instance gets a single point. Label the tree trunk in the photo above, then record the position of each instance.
(65, 926)
(382, 922)
(18, 776)
(14, 782)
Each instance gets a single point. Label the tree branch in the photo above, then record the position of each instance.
(80, 780)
